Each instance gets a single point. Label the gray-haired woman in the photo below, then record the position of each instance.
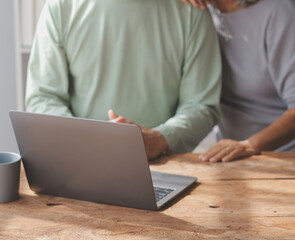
(257, 40)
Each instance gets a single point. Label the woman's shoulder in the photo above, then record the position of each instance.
(280, 3)
(279, 6)
(281, 13)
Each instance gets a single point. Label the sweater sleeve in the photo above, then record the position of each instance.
(199, 92)
(280, 46)
(48, 77)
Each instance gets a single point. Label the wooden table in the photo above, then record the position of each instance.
(252, 198)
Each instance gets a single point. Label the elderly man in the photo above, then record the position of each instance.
(155, 63)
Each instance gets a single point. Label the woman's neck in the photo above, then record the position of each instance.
(227, 5)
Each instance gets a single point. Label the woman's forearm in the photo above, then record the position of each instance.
(277, 134)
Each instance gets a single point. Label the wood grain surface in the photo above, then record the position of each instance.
(266, 166)
(251, 198)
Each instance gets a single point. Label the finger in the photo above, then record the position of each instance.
(202, 4)
(121, 119)
(214, 149)
(118, 120)
(112, 115)
(185, 1)
(194, 3)
(219, 156)
(205, 157)
(128, 121)
(233, 155)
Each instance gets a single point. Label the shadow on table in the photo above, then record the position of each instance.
(188, 191)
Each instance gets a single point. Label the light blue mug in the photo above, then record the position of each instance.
(9, 176)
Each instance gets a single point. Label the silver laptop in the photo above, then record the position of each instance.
(91, 160)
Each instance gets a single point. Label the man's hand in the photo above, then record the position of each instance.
(197, 3)
(227, 150)
(154, 141)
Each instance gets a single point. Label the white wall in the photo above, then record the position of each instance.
(7, 75)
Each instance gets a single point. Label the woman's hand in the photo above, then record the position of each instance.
(197, 3)
(227, 150)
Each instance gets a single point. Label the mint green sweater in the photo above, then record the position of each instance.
(155, 62)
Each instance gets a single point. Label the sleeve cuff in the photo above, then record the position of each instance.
(170, 136)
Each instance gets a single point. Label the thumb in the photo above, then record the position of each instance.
(112, 115)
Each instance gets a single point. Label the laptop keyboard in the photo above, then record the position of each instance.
(162, 192)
